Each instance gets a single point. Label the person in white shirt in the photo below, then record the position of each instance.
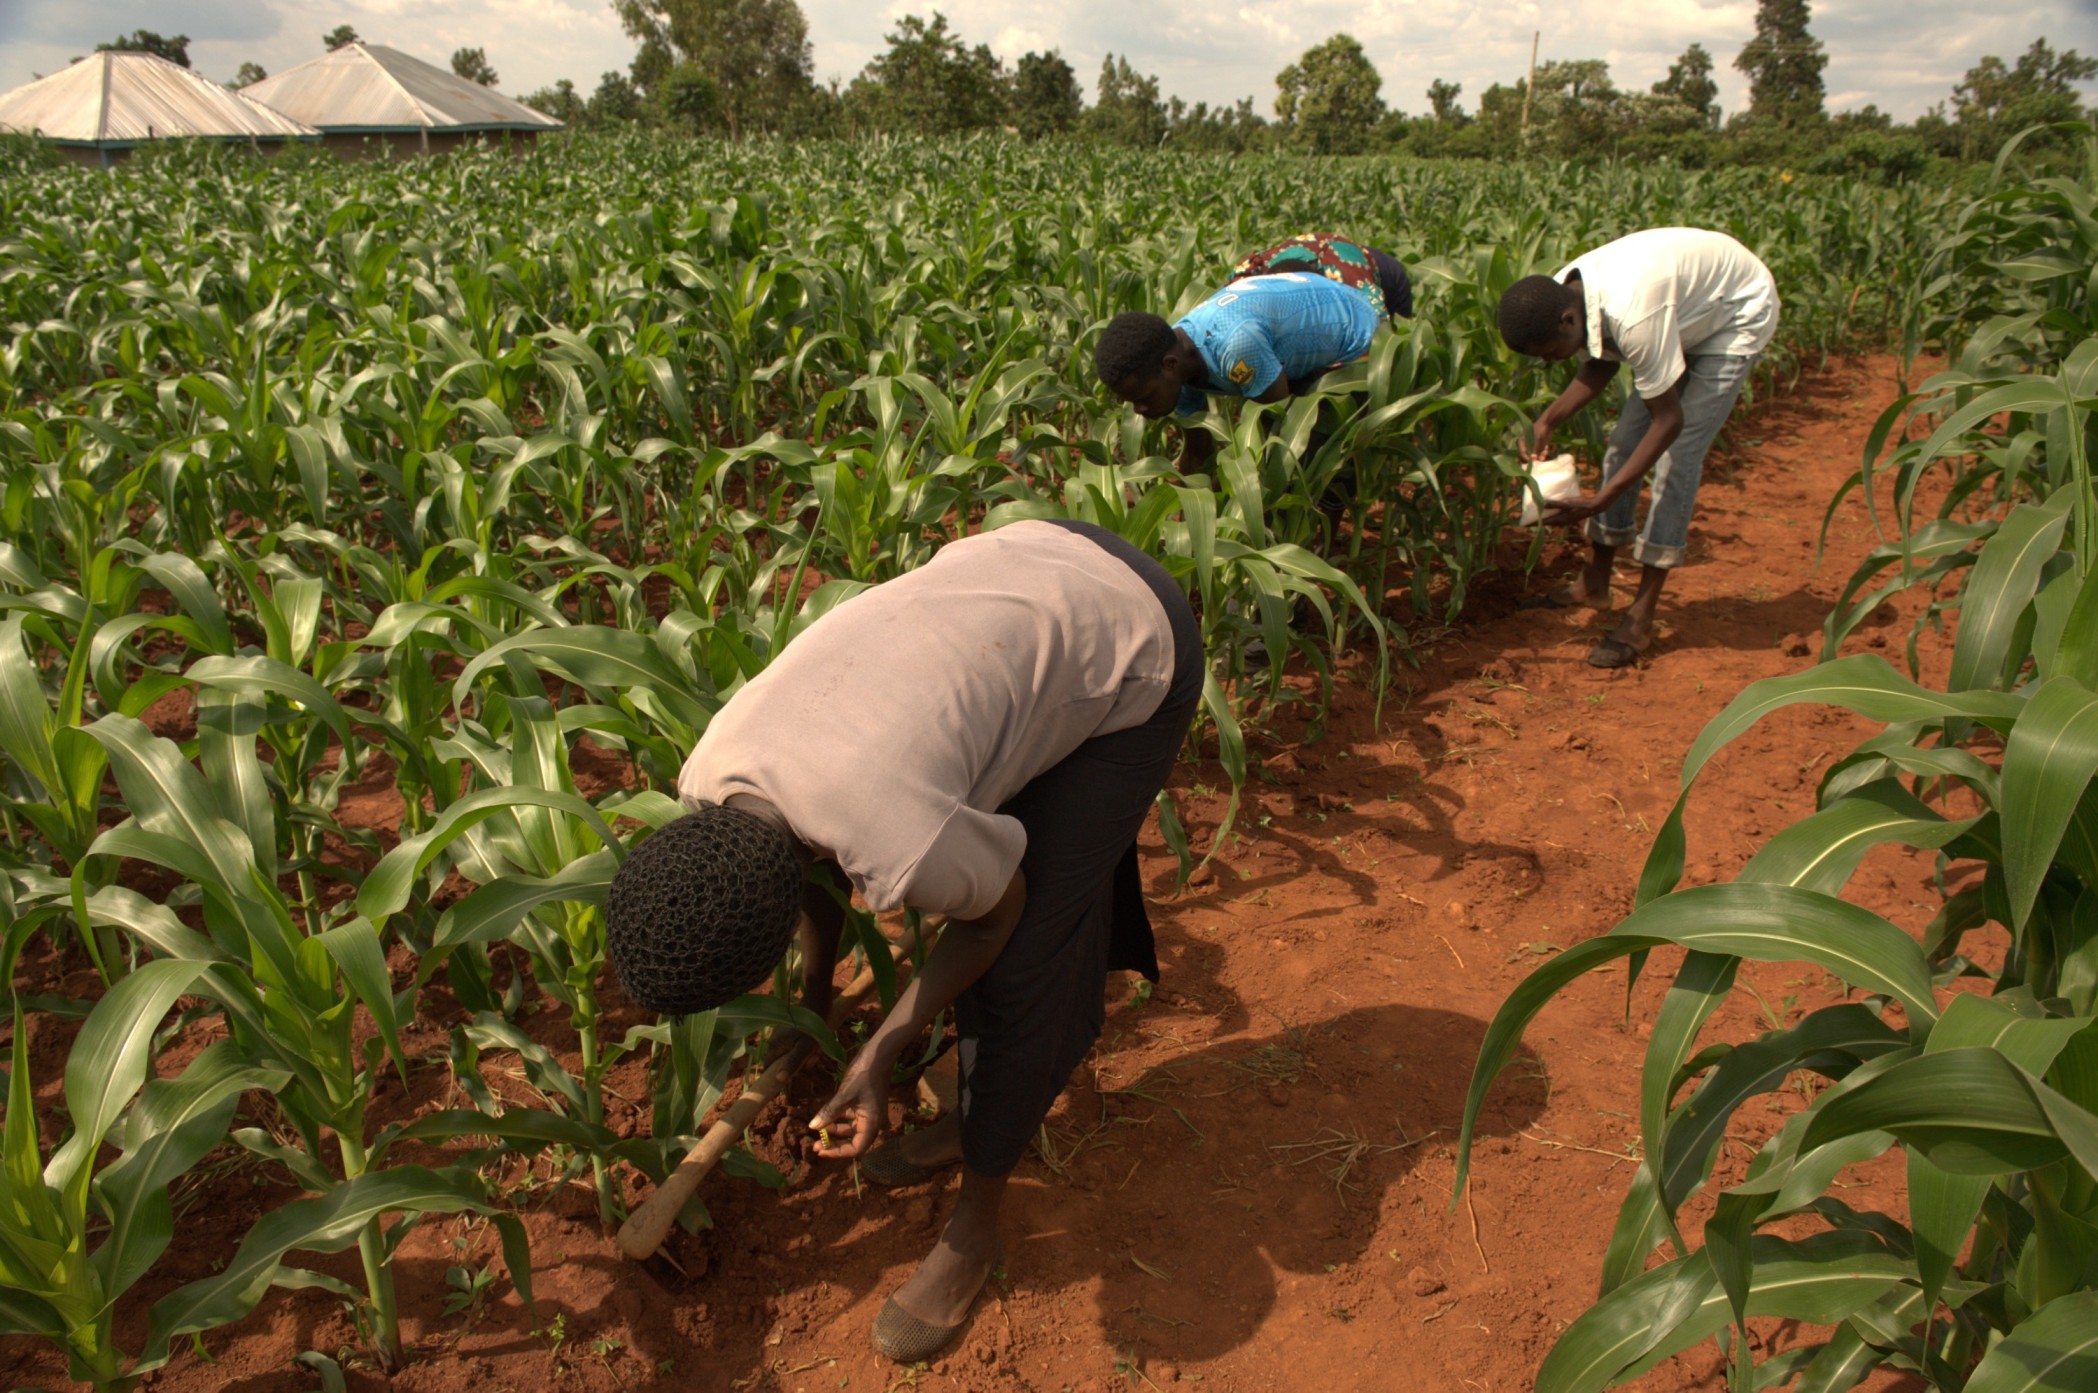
(1689, 311)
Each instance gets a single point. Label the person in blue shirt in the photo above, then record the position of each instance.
(1264, 339)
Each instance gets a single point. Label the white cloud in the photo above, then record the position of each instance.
(1903, 55)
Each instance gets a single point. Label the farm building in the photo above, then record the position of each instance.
(106, 104)
(363, 93)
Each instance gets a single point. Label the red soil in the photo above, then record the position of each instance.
(1326, 987)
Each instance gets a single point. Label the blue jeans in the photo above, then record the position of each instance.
(1707, 388)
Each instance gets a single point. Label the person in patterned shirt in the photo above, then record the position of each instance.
(1376, 274)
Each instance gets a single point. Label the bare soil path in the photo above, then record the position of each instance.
(1248, 1185)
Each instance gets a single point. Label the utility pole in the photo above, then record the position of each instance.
(1529, 86)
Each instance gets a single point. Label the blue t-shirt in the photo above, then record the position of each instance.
(1253, 330)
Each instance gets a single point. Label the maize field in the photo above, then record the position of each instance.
(481, 482)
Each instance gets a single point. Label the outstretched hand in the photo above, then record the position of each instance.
(1538, 444)
(1577, 509)
(849, 1123)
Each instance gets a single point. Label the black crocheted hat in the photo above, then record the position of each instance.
(703, 910)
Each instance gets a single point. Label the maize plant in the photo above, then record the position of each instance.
(434, 481)
(1992, 1282)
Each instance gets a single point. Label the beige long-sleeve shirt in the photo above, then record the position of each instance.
(893, 729)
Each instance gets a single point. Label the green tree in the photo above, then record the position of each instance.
(929, 82)
(558, 101)
(1228, 130)
(1328, 98)
(1690, 82)
(1045, 97)
(1995, 101)
(614, 100)
(689, 100)
(1442, 100)
(472, 64)
(341, 36)
(174, 48)
(1783, 63)
(1126, 107)
(755, 52)
(250, 74)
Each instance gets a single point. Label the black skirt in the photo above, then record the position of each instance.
(1035, 1013)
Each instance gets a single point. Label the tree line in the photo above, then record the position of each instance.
(744, 68)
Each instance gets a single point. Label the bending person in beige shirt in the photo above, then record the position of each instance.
(981, 738)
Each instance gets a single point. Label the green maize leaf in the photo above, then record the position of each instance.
(542, 1070)
(330, 1372)
(1663, 1312)
(386, 890)
(2026, 1037)
(1764, 922)
(2076, 655)
(356, 950)
(193, 591)
(153, 924)
(1821, 1280)
(1864, 684)
(494, 910)
(2061, 585)
(1833, 1040)
(399, 622)
(2039, 394)
(1701, 985)
(655, 809)
(1971, 1110)
(1894, 752)
(527, 1129)
(260, 676)
(1822, 852)
(297, 1162)
(325, 1224)
(2054, 1351)
(1946, 543)
(1642, 1225)
(109, 1061)
(751, 1012)
(2048, 761)
(1942, 1207)
(170, 798)
(128, 839)
(610, 659)
(26, 724)
(24, 1314)
(227, 727)
(23, 1161)
(2001, 587)
(1843, 1363)
(1785, 1177)
(171, 1127)
(1779, 923)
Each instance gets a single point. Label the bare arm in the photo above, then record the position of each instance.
(965, 951)
(1587, 385)
(1666, 409)
(1667, 412)
(822, 926)
(1198, 450)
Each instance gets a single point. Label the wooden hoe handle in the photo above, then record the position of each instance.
(646, 1228)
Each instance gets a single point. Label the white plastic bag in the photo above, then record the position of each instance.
(1557, 480)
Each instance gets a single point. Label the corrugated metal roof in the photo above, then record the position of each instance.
(370, 87)
(122, 98)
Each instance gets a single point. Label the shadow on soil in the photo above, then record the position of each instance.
(1173, 1206)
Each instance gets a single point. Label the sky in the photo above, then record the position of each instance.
(1901, 55)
